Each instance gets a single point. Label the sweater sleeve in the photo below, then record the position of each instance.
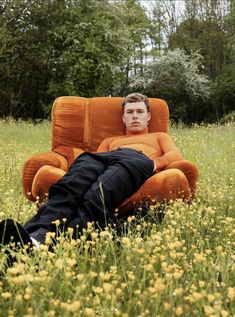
(170, 152)
(103, 147)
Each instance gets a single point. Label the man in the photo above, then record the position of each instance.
(97, 183)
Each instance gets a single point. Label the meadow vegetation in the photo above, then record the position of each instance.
(183, 266)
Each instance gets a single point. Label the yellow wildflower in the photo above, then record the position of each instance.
(6, 295)
(59, 263)
(89, 312)
(231, 293)
(179, 311)
(208, 310)
(126, 241)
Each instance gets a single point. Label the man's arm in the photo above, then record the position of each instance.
(103, 147)
(170, 152)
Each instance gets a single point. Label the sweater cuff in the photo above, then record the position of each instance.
(160, 163)
(154, 166)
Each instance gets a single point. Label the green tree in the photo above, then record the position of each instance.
(93, 50)
(25, 28)
(206, 37)
(136, 34)
(208, 27)
(223, 97)
(67, 47)
(224, 92)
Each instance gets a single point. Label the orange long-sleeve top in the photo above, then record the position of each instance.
(157, 146)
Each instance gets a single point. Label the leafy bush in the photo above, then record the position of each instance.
(176, 78)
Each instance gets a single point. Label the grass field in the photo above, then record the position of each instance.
(184, 266)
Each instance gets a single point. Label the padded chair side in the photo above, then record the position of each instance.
(159, 115)
(69, 122)
(34, 163)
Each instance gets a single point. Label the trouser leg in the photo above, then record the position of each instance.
(67, 194)
(127, 171)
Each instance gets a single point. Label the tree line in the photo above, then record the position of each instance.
(113, 47)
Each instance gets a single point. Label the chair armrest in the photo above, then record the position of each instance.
(166, 185)
(45, 177)
(34, 163)
(70, 153)
(191, 172)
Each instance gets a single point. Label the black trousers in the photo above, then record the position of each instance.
(94, 186)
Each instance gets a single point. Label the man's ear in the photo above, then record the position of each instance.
(123, 118)
(149, 115)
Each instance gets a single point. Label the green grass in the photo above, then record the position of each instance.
(181, 267)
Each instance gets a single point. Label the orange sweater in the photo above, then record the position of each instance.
(157, 146)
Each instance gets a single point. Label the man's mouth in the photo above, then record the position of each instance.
(135, 123)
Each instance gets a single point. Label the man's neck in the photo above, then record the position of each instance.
(142, 132)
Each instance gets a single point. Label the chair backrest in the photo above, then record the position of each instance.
(85, 122)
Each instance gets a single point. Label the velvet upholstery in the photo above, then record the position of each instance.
(80, 124)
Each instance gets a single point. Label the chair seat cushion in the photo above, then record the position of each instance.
(166, 185)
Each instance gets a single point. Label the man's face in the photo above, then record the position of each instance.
(136, 117)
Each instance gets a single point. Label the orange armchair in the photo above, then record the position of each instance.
(80, 124)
